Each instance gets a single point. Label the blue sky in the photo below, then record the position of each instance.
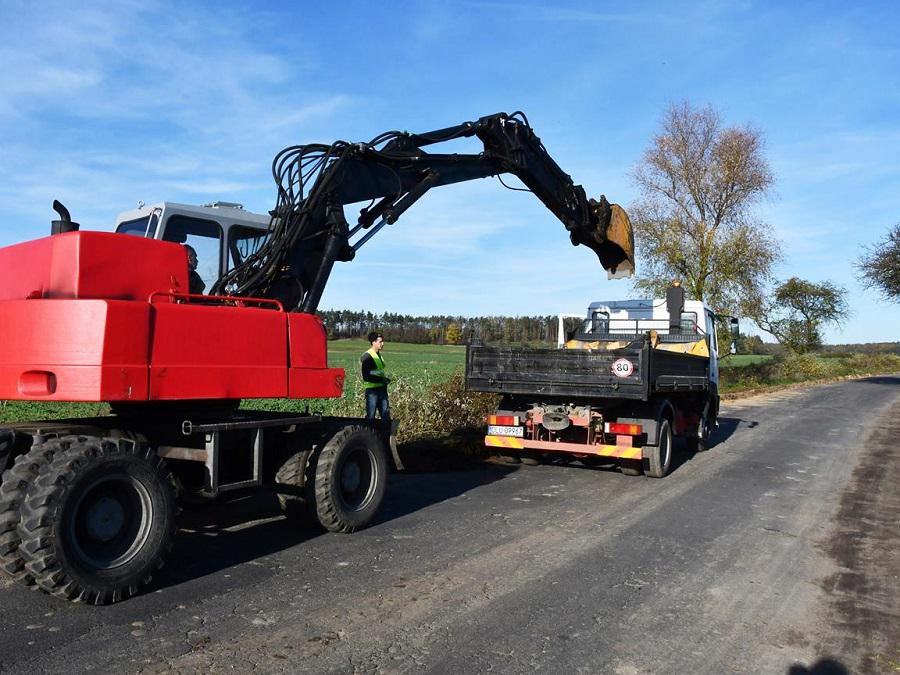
(102, 105)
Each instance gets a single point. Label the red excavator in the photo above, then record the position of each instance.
(88, 506)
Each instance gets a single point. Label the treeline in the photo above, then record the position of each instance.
(440, 329)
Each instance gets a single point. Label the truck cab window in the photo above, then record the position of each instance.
(205, 237)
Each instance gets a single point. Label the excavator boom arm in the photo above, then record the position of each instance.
(309, 231)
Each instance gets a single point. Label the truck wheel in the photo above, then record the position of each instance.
(99, 520)
(657, 458)
(700, 443)
(350, 479)
(292, 480)
(16, 480)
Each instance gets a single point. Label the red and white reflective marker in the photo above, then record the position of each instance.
(622, 367)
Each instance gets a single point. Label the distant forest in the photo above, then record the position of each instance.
(442, 329)
(454, 330)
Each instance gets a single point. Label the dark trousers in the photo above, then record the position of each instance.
(377, 399)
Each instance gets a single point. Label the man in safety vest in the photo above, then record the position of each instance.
(374, 379)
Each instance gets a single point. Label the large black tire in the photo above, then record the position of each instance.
(701, 442)
(292, 479)
(16, 481)
(657, 458)
(99, 520)
(350, 479)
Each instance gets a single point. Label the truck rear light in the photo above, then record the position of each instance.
(503, 420)
(624, 429)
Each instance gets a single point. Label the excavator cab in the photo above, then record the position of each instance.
(222, 234)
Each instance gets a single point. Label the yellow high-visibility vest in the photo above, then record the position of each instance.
(379, 370)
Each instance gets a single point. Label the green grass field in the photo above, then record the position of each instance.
(401, 360)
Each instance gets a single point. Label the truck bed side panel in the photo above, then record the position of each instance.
(555, 372)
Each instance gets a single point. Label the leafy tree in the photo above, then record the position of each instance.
(453, 334)
(698, 182)
(881, 265)
(799, 311)
(751, 344)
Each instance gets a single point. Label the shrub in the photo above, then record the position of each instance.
(439, 408)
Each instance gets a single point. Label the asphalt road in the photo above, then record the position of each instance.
(774, 552)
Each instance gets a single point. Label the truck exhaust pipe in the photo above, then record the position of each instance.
(675, 306)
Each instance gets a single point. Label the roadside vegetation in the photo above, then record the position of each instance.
(761, 372)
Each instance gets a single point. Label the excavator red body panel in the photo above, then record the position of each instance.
(95, 316)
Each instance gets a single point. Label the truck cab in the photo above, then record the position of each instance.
(629, 317)
(223, 234)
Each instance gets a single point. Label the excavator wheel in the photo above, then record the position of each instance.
(292, 481)
(16, 480)
(99, 520)
(350, 479)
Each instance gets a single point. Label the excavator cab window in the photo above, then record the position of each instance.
(141, 227)
(243, 242)
(205, 237)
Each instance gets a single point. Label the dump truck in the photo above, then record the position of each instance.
(88, 505)
(634, 375)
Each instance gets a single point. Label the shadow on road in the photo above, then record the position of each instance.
(890, 380)
(727, 427)
(245, 527)
(820, 667)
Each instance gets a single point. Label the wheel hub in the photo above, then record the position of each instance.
(110, 522)
(351, 477)
(104, 519)
(357, 479)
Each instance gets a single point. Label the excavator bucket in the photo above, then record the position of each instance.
(620, 241)
(613, 240)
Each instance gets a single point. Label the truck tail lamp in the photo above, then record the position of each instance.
(503, 420)
(624, 429)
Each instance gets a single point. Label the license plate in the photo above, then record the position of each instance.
(506, 431)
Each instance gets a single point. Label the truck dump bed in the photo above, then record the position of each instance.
(635, 371)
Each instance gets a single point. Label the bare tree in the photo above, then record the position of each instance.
(798, 312)
(880, 265)
(698, 182)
